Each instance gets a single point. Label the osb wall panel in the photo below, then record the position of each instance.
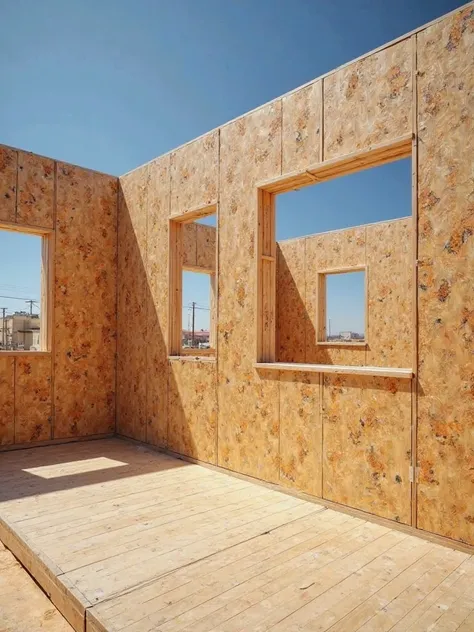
(301, 130)
(369, 101)
(386, 249)
(345, 248)
(35, 190)
(194, 174)
(206, 238)
(189, 238)
(390, 294)
(199, 246)
(193, 409)
(157, 302)
(8, 179)
(300, 432)
(446, 297)
(132, 304)
(85, 302)
(7, 400)
(367, 442)
(291, 314)
(33, 418)
(248, 423)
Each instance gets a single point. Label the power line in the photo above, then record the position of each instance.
(190, 306)
(18, 298)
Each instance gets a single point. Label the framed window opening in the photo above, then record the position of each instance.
(345, 338)
(405, 147)
(23, 337)
(180, 236)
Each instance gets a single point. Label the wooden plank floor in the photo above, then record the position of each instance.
(17, 590)
(127, 539)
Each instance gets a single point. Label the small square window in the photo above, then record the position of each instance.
(342, 307)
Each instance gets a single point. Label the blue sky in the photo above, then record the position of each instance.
(110, 84)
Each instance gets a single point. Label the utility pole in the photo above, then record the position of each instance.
(192, 331)
(4, 309)
(31, 306)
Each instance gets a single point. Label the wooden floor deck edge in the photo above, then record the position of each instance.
(329, 504)
(49, 577)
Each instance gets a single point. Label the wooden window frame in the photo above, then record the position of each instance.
(321, 302)
(175, 285)
(46, 285)
(403, 147)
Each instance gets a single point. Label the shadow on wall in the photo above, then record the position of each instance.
(150, 403)
(295, 326)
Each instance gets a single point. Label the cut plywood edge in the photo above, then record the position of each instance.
(70, 602)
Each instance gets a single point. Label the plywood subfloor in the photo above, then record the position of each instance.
(139, 541)
(23, 606)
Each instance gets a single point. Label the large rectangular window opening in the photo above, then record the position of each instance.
(193, 268)
(313, 253)
(24, 291)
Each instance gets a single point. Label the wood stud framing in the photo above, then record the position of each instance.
(266, 278)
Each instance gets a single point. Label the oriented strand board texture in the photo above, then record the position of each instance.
(206, 243)
(446, 273)
(390, 294)
(35, 190)
(189, 238)
(344, 248)
(194, 174)
(157, 302)
(33, 418)
(8, 180)
(367, 442)
(386, 249)
(7, 400)
(85, 302)
(132, 304)
(193, 409)
(300, 432)
(81, 207)
(248, 400)
(292, 314)
(301, 131)
(199, 246)
(369, 101)
(145, 381)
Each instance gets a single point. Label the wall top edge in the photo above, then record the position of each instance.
(58, 161)
(342, 230)
(385, 46)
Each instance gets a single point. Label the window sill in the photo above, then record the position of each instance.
(338, 369)
(193, 358)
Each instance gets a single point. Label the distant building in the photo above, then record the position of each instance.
(350, 335)
(20, 331)
(200, 339)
